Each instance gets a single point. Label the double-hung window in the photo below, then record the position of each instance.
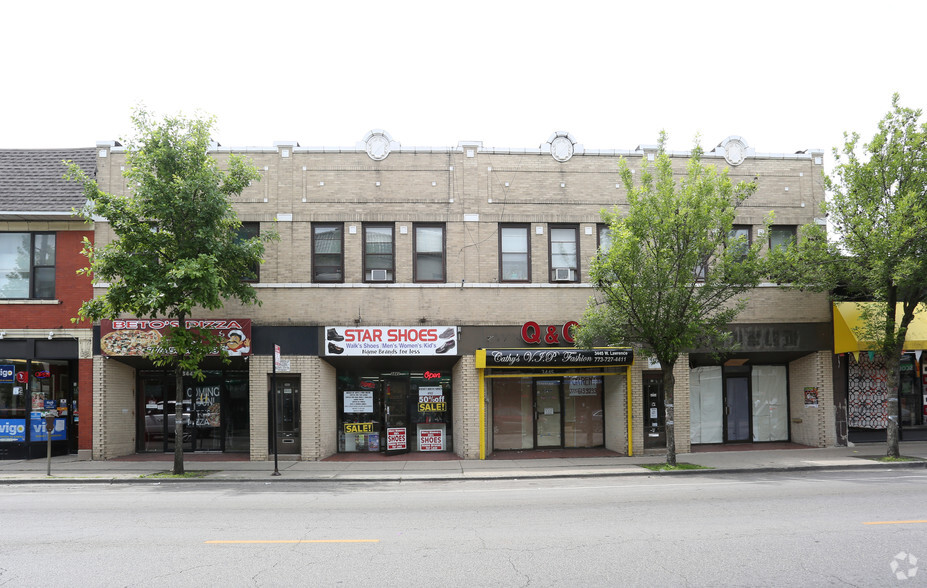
(781, 236)
(27, 265)
(739, 238)
(247, 231)
(514, 259)
(429, 253)
(379, 263)
(327, 252)
(564, 253)
(605, 237)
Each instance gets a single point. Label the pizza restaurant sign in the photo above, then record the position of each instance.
(139, 337)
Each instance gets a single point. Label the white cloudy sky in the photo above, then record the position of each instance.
(786, 75)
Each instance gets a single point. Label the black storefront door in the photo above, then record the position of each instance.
(654, 412)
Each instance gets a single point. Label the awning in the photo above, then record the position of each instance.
(847, 321)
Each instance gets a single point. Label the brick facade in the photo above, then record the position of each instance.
(470, 196)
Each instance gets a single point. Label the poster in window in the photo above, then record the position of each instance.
(358, 401)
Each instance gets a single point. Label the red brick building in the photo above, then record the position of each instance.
(46, 364)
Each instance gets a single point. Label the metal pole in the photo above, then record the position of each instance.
(48, 449)
(273, 400)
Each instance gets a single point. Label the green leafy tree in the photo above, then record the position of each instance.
(670, 280)
(878, 210)
(177, 245)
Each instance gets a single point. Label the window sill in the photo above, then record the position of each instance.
(29, 301)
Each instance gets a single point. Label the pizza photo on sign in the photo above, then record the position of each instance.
(129, 342)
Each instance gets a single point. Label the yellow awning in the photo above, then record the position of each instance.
(847, 321)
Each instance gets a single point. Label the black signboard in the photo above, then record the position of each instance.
(559, 357)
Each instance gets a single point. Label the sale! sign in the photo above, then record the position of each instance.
(423, 341)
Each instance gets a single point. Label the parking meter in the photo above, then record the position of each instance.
(49, 422)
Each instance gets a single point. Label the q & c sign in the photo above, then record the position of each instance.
(533, 333)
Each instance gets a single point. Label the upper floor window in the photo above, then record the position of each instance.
(739, 238)
(514, 259)
(327, 252)
(781, 236)
(564, 253)
(247, 231)
(429, 253)
(605, 237)
(27, 265)
(379, 263)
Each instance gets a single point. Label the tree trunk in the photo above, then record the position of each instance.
(893, 378)
(669, 395)
(178, 421)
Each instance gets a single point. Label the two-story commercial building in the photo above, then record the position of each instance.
(422, 298)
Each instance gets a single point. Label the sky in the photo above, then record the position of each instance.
(786, 76)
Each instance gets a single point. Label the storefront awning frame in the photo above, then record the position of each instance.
(848, 337)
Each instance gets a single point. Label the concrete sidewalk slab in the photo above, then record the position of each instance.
(70, 469)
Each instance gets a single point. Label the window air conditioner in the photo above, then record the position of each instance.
(378, 275)
(563, 274)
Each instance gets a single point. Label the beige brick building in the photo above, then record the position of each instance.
(401, 272)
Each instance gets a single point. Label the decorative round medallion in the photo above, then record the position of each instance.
(378, 147)
(561, 148)
(734, 151)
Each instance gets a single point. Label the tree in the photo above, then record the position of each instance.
(670, 279)
(878, 210)
(177, 248)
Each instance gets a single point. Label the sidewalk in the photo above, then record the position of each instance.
(68, 469)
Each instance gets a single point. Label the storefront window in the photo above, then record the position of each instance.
(394, 412)
(215, 412)
(548, 412)
(583, 417)
(513, 420)
(12, 401)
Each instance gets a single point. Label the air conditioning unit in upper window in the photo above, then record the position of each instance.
(378, 275)
(563, 274)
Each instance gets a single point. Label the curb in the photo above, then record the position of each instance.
(477, 477)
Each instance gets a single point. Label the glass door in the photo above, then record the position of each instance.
(737, 409)
(547, 414)
(396, 400)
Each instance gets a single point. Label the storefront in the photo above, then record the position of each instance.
(554, 397)
(394, 387)
(739, 404)
(32, 387)
(215, 411)
(865, 375)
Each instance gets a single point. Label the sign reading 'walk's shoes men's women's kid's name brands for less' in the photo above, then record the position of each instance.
(423, 341)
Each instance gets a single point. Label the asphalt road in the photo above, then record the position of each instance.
(821, 528)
